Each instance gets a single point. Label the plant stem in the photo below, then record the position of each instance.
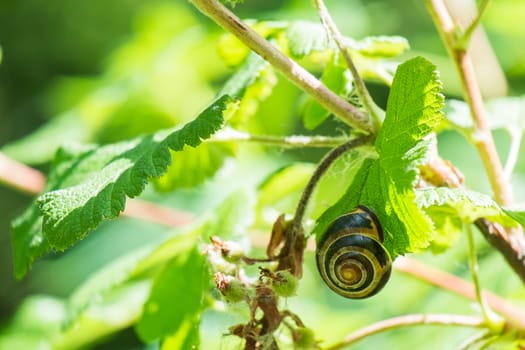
(323, 166)
(409, 320)
(289, 68)
(513, 237)
(474, 268)
(229, 135)
(461, 287)
(31, 181)
(514, 149)
(484, 141)
(20, 177)
(335, 34)
(496, 235)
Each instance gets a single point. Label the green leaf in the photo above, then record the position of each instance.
(229, 220)
(334, 78)
(176, 299)
(502, 113)
(284, 182)
(244, 76)
(385, 182)
(254, 82)
(469, 205)
(380, 46)
(193, 166)
(119, 309)
(306, 37)
(98, 181)
(518, 216)
(186, 337)
(451, 209)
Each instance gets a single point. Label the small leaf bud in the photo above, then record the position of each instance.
(285, 283)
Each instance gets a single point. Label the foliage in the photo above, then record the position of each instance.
(136, 130)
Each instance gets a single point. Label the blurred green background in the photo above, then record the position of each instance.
(93, 70)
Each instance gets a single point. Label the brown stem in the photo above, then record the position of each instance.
(472, 94)
(20, 177)
(511, 243)
(495, 234)
(362, 91)
(409, 320)
(459, 286)
(28, 180)
(289, 68)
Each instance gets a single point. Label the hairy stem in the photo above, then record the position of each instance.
(289, 68)
(409, 320)
(362, 91)
(323, 166)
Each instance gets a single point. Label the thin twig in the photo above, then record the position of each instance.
(474, 268)
(362, 91)
(452, 283)
(409, 320)
(289, 68)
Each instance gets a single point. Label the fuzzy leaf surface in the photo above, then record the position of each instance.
(385, 182)
(451, 208)
(92, 185)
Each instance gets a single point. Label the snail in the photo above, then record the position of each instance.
(351, 257)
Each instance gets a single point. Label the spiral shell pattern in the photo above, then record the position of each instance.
(351, 257)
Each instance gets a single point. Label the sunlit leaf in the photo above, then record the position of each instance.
(102, 179)
(335, 79)
(502, 112)
(385, 183)
(450, 209)
(176, 299)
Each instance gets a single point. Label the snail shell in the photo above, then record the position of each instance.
(351, 257)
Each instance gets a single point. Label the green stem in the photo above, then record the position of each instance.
(465, 39)
(335, 34)
(289, 68)
(493, 325)
(232, 135)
